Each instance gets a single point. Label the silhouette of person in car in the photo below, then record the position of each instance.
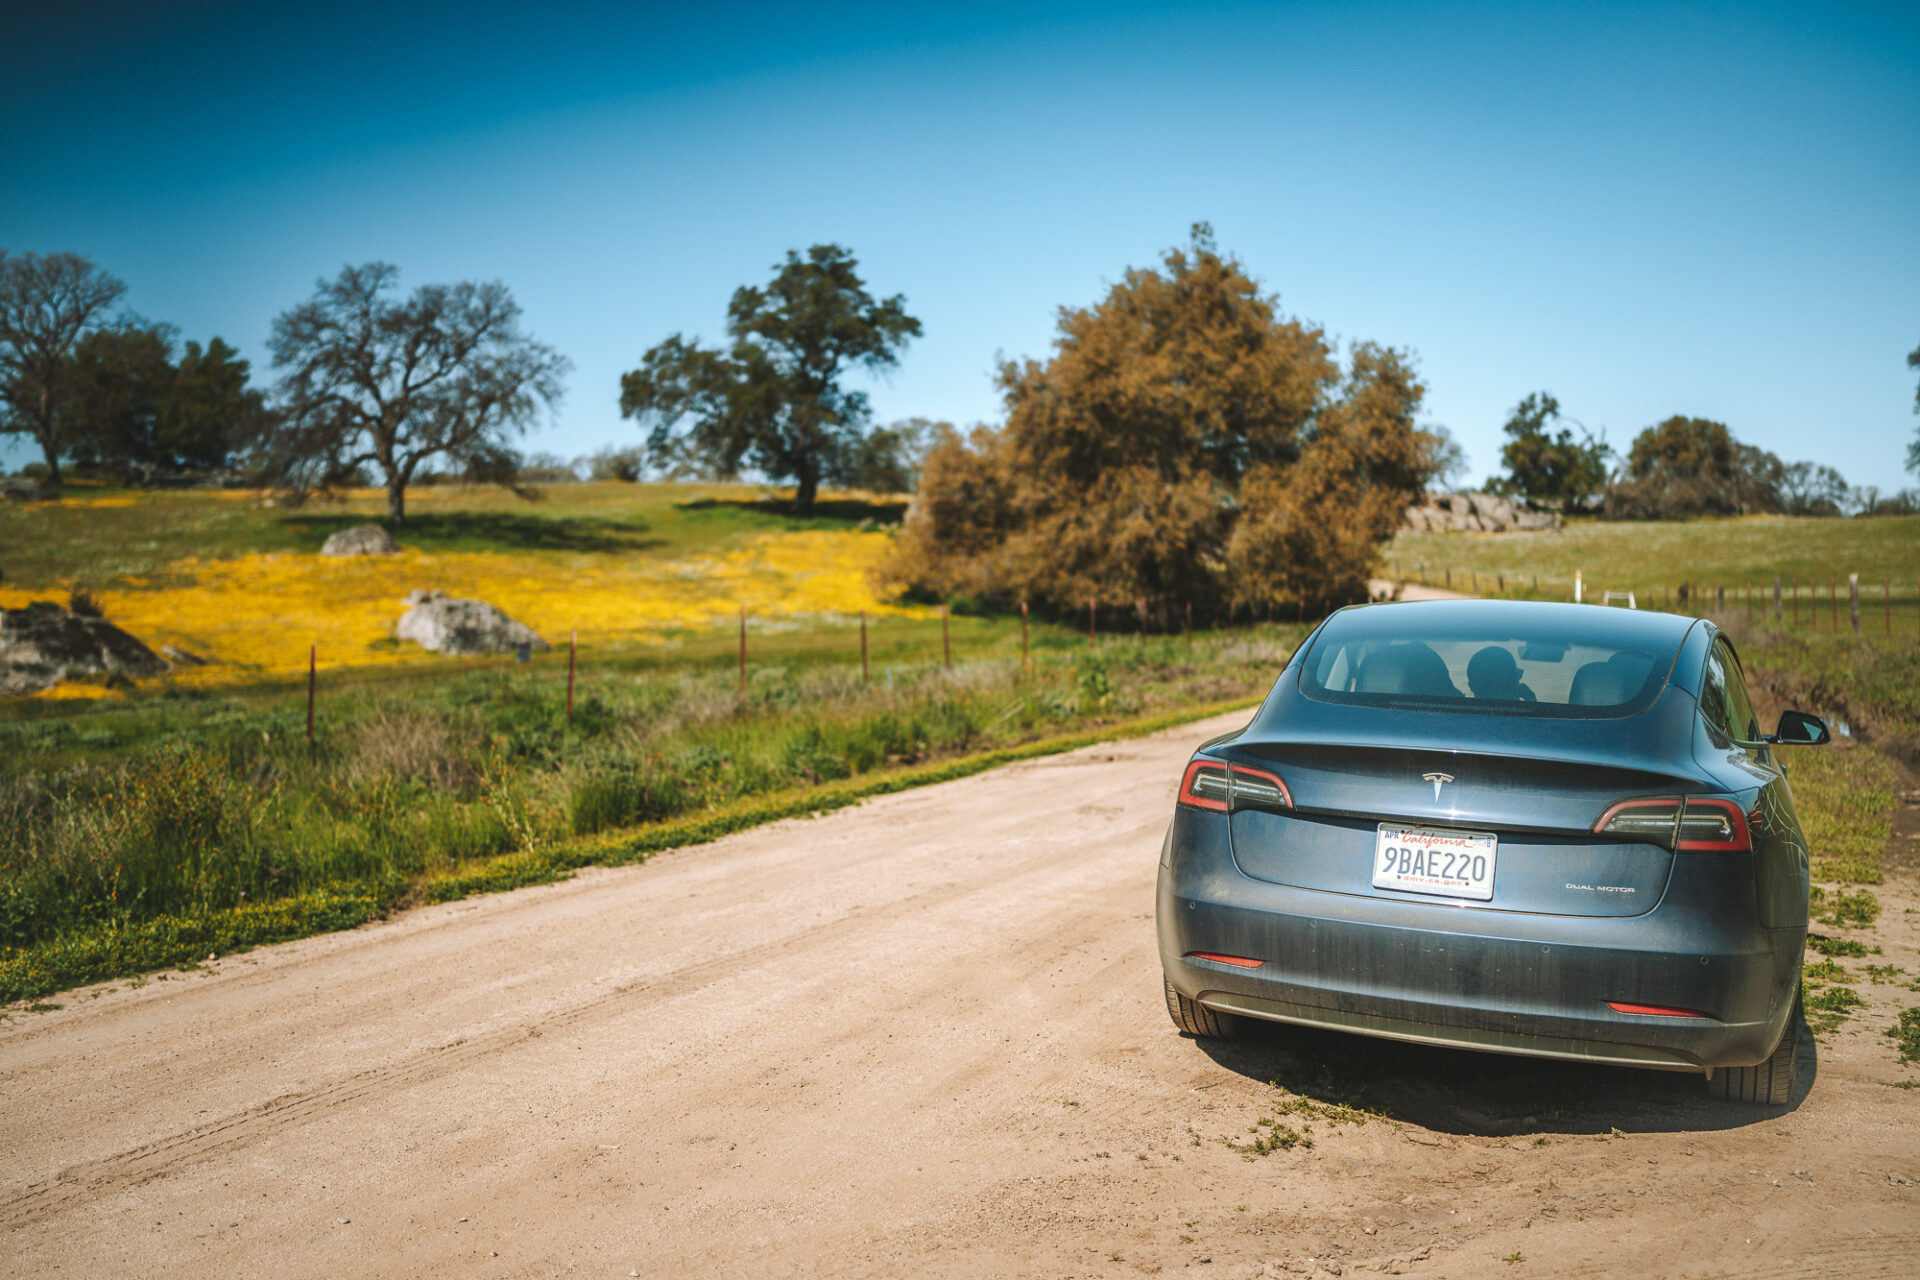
(1493, 674)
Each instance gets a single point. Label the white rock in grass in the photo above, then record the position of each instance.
(361, 540)
(446, 624)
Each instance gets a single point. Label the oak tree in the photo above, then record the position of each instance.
(47, 302)
(774, 399)
(374, 381)
(1547, 467)
(1185, 444)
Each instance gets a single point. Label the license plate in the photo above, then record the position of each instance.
(1454, 864)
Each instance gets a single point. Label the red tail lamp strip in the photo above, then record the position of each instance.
(1653, 1010)
(1689, 824)
(1238, 962)
(1218, 771)
(1737, 839)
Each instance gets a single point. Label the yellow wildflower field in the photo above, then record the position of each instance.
(255, 615)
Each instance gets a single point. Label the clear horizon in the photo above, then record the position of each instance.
(1648, 210)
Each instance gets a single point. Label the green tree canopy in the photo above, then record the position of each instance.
(47, 302)
(774, 401)
(1685, 467)
(1184, 444)
(1550, 468)
(131, 409)
(374, 381)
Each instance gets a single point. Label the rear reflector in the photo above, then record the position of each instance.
(1238, 962)
(1222, 787)
(1688, 824)
(1655, 1010)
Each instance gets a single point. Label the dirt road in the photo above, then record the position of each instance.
(920, 1037)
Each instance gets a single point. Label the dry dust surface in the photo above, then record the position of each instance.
(923, 1037)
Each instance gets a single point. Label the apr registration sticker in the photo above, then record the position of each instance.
(1455, 864)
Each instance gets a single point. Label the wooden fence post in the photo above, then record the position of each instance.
(743, 657)
(1853, 601)
(313, 656)
(573, 643)
(1719, 598)
(1189, 624)
(1776, 597)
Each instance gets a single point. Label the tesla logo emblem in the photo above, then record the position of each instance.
(1438, 780)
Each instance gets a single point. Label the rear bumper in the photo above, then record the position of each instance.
(1498, 981)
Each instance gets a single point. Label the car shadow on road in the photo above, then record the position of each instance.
(1456, 1091)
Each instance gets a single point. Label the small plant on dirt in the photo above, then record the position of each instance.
(1839, 908)
(1880, 973)
(1823, 972)
(1905, 1033)
(1277, 1137)
(1515, 1256)
(1332, 1112)
(1826, 946)
(1828, 1007)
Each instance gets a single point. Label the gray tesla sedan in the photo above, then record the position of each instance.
(1544, 829)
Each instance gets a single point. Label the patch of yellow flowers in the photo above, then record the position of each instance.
(254, 616)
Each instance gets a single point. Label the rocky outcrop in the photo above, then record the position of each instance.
(44, 644)
(446, 624)
(1477, 513)
(361, 540)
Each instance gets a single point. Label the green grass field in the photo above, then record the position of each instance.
(99, 534)
(1654, 557)
(161, 821)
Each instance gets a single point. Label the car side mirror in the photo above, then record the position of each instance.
(1798, 729)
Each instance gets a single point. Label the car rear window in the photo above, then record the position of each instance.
(1573, 661)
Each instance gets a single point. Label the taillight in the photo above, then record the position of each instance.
(1685, 824)
(1212, 784)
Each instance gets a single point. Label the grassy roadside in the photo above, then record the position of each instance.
(113, 951)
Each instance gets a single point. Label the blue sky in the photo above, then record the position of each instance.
(1649, 210)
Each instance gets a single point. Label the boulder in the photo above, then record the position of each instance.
(44, 644)
(361, 540)
(1477, 513)
(446, 624)
(24, 489)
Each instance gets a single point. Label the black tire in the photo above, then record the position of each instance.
(1196, 1019)
(1769, 1082)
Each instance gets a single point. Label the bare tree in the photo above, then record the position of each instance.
(375, 382)
(46, 303)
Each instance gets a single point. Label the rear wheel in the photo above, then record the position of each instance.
(1196, 1019)
(1771, 1081)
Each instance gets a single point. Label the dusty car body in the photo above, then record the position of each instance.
(1543, 829)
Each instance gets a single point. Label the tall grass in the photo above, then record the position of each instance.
(235, 807)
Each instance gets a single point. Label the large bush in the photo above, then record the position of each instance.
(1185, 445)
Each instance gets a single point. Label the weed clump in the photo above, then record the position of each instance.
(1826, 1008)
(1269, 1136)
(1839, 908)
(1905, 1033)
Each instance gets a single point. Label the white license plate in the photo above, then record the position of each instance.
(1455, 864)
